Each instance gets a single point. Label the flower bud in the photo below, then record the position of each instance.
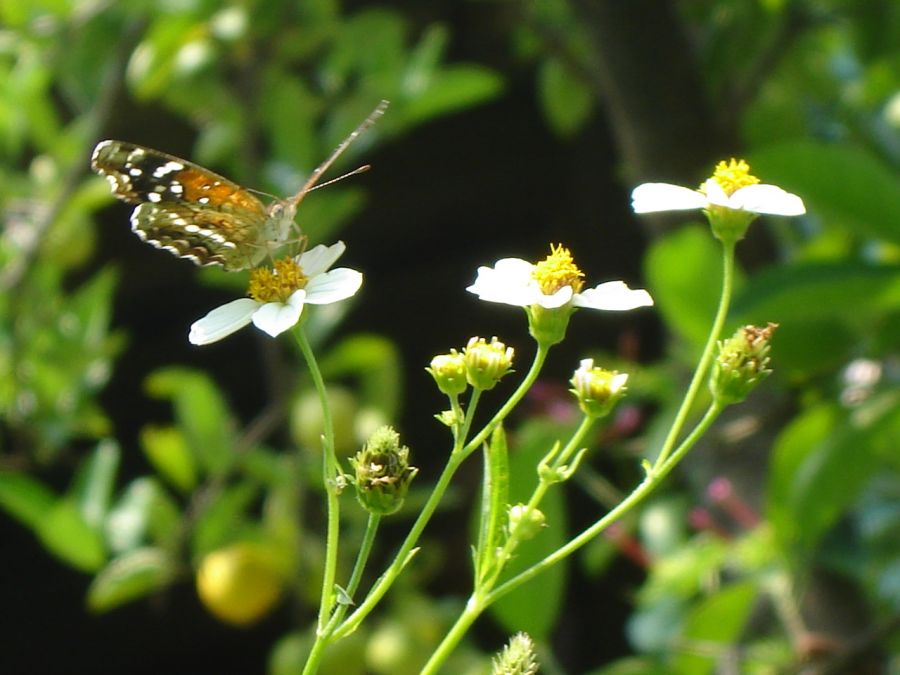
(742, 363)
(383, 473)
(526, 522)
(517, 658)
(449, 372)
(596, 389)
(487, 363)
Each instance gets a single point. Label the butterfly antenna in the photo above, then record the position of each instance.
(323, 167)
(361, 169)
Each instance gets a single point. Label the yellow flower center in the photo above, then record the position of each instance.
(733, 175)
(278, 283)
(558, 270)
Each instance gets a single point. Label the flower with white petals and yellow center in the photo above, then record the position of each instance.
(731, 186)
(731, 199)
(277, 295)
(550, 291)
(554, 282)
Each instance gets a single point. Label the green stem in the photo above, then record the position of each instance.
(483, 598)
(653, 479)
(472, 611)
(536, 497)
(457, 457)
(539, 357)
(706, 358)
(330, 473)
(324, 637)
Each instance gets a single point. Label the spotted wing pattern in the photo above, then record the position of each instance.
(184, 208)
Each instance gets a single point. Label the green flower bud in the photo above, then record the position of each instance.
(383, 473)
(517, 658)
(526, 523)
(449, 372)
(487, 363)
(742, 363)
(596, 389)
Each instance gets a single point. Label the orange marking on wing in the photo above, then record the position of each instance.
(198, 185)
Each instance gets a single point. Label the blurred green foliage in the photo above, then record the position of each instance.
(265, 90)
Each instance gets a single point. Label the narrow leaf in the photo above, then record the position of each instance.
(129, 577)
(494, 501)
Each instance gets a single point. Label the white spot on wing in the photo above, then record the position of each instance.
(167, 168)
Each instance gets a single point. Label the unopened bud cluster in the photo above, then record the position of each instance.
(517, 658)
(526, 522)
(481, 364)
(597, 389)
(383, 473)
(742, 363)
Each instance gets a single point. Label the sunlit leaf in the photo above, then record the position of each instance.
(25, 498)
(565, 99)
(129, 577)
(168, 451)
(65, 533)
(201, 412)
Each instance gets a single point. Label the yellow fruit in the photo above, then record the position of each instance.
(240, 583)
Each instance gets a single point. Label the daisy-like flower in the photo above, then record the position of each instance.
(731, 199)
(731, 186)
(554, 283)
(278, 294)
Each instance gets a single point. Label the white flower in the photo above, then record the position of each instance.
(731, 187)
(278, 295)
(513, 281)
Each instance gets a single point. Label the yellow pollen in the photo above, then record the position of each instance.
(733, 175)
(278, 283)
(558, 270)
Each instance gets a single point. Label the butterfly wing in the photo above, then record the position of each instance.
(184, 208)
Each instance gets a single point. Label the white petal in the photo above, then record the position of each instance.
(653, 197)
(318, 259)
(619, 380)
(509, 282)
(222, 321)
(770, 199)
(332, 286)
(716, 195)
(558, 299)
(613, 295)
(276, 317)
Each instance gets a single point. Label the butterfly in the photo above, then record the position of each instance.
(197, 214)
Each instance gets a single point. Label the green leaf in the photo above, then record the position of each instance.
(143, 508)
(494, 502)
(201, 412)
(716, 621)
(130, 576)
(222, 521)
(797, 441)
(452, 89)
(684, 273)
(566, 101)
(168, 452)
(25, 498)
(850, 291)
(846, 185)
(821, 462)
(66, 534)
(97, 481)
(535, 606)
